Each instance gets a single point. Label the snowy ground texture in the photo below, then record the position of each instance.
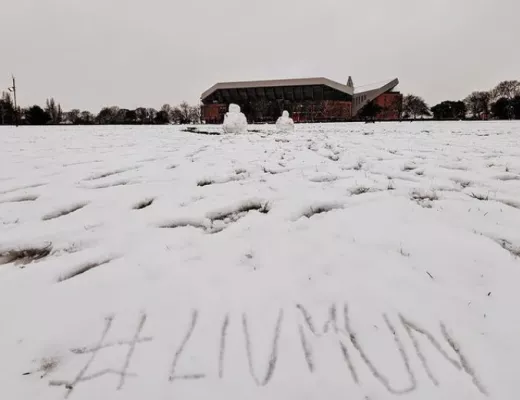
(343, 261)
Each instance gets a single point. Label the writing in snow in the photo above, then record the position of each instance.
(349, 342)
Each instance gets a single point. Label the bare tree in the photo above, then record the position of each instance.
(7, 112)
(185, 111)
(141, 114)
(507, 89)
(177, 115)
(121, 116)
(478, 103)
(73, 116)
(165, 114)
(151, 113)
(107, 115)
(168, 110)
(54, 111)
(195, 115)
(415, 106)
(87, 118)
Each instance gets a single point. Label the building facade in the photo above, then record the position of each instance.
(307, 100)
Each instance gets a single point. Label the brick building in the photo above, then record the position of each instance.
(308, 100)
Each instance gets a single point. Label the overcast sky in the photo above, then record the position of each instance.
(92, 53)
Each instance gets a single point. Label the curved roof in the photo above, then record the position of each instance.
(278, 82)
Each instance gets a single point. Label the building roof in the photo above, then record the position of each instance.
(277, 83)
(387, 84)
(370, 92)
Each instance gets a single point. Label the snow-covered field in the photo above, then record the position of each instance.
(344, 261)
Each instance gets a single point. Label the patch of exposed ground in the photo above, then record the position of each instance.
(143, 204)
(111, 184)
(217, 221)
(20, 199)
(81, 269)
(110, 173)
(213, 181)
(424, 198)
(24, 255)
(321, 208)
(64, 211)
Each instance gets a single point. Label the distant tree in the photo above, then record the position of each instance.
(162, 118)
(415, 106)
(459, 110)
(370, 111)
(150, 115)
(104, 116)
(441, 110)
(73, 116)
(7, 116)
(477, 103)
(60, 114)
(87, 118)
(167, 111)
(501, 108)
(54, 111)
(50, 108)
(177, 115)
(141, 114)
(120, 117)
(506, 90)
(107, 115)
(449, 110)
(130, 117)
(35, 115)
(195, 114)
(516, 106)
(185, 112)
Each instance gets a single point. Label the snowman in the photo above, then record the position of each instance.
(285, 123)
(234, 120)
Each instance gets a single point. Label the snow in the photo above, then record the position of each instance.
(285, 123)
(234, 120)
(344, 261)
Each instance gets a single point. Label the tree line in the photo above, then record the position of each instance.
(52, 114)
(501, 102)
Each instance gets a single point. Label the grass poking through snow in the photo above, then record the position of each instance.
(479, 196)
(64, 211)
(143, 204)
(23, 256)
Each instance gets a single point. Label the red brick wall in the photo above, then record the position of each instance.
(337, 109)
(391, 103)
(214, 113)
(328, 110)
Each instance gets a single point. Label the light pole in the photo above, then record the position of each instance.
(13, 90)
(15, 103)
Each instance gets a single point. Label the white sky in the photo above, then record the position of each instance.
(89, 54)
